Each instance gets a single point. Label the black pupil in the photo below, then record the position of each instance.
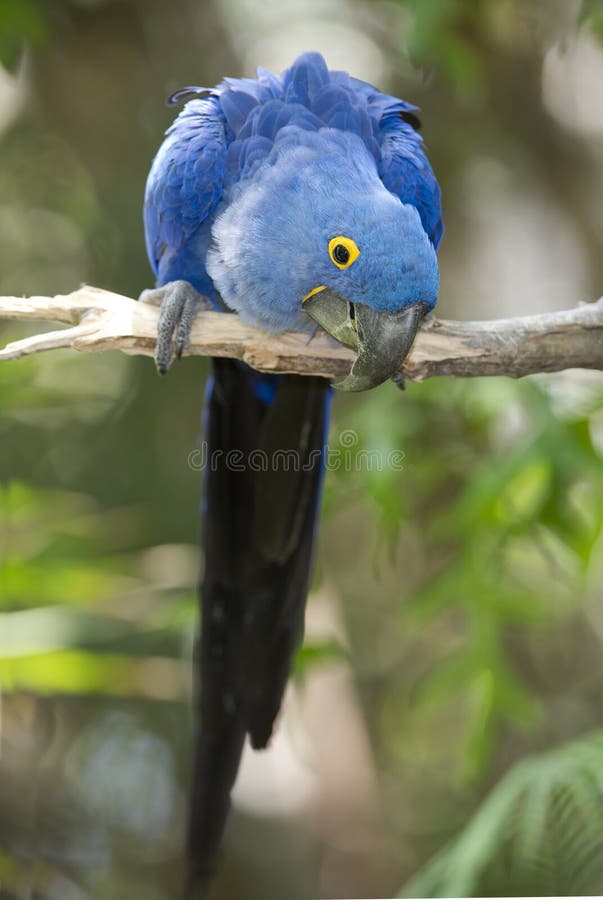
(341, 254)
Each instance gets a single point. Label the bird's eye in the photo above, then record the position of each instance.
(341, 254)
(343, 251)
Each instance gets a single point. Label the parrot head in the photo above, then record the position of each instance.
(315, 236)
(378, 278)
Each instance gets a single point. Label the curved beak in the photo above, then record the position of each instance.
(383, 340)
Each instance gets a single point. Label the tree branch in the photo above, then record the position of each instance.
(101, 320)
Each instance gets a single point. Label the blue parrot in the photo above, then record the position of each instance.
(297, 201)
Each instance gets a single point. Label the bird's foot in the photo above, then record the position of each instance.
(179, 303)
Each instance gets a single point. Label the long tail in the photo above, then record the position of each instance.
(265, 438)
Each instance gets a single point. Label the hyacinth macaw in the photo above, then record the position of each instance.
(292, 200)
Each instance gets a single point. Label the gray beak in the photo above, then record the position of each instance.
(383, 340)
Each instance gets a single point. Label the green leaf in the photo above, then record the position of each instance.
(540, 831)
(81, 672)
(22, 22)
(311, 655)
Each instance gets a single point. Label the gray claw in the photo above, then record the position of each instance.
(179, 303)
(190, 308)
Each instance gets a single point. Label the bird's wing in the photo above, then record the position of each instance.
(183, 189)
(405, 169)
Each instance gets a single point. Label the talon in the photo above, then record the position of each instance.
(179, 303)
(189, 312)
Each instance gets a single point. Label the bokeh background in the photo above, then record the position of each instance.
(441, 733)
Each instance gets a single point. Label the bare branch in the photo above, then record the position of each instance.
(102, 320)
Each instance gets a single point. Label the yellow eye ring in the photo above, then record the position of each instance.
(343, 251)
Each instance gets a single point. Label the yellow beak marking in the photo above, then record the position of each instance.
(316, 290)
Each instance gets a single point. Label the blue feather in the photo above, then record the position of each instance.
(236, 106)
(226, 136)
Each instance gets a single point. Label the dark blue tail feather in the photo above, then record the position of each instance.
(265, 437)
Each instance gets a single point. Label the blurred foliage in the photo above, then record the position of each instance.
(468, 577)
(458, 35)
(22, 23)
(540, 832)
(510, 511)
(591, 12)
